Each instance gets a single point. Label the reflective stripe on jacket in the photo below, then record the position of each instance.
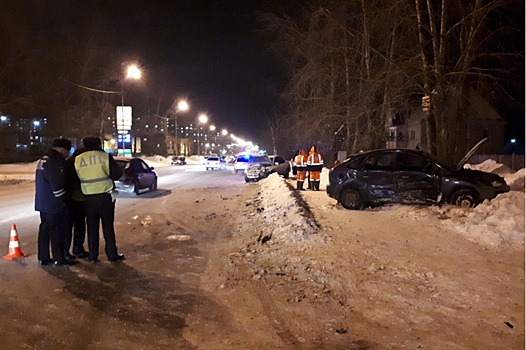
(315, 159)
(300, 162)
(93, 170)
(314, 162)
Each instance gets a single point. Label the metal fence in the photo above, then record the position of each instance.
(512, 161)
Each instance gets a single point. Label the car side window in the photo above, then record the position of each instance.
(380, 162)
(135, 165)
(410, 162)
(355, 163)
(144, 166)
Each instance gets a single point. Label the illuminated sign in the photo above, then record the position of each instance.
(124, 118)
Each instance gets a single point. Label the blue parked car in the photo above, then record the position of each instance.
(137, 175)
(409, 176)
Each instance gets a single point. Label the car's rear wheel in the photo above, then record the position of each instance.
(136, 187)
(153, 187)
(352, 199)
(465, 198)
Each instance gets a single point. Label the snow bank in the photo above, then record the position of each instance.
(289, 221)
(490, 166)
(18, 172)
(495, 222)
(514, 179)
(161, 161)
(157, 161)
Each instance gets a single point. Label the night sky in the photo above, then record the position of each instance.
(208, 51)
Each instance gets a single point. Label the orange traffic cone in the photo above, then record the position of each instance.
(14, 246)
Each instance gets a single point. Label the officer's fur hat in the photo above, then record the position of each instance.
(64, 143)
(92, 143)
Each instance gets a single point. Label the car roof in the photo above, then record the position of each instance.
(404, 150)
(123, 159)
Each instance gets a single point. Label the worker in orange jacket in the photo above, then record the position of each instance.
(314, 166)
(300, 163)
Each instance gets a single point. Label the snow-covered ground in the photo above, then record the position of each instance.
(496, 222)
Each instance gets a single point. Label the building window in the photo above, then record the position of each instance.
(413, 134)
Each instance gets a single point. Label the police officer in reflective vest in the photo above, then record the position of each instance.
(97, 170)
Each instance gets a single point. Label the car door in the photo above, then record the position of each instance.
(143, 174)
(378, 177)
(148, 174)
(418, 180)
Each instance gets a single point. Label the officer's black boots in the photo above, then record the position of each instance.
(299, 185)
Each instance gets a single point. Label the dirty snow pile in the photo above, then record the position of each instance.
(496, 222)
(499, 221)
(289, 221)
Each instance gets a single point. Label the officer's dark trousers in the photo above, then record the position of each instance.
(77, 227)
(100, 209)
(52, 229)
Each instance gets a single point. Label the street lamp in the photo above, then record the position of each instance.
(201, 119)
(224, 132)
(132, 72)
(208, 135)
(182, 106)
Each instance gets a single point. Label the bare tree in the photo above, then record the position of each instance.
(356, 65)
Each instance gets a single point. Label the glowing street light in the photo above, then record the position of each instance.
(211, 129)
(203, 119)
(132, 72)
(182, 106)
(222, 138)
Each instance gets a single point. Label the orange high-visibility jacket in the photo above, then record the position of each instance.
(314, 161)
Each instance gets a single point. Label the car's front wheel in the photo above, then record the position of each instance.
(352, 199)
(465, 198)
